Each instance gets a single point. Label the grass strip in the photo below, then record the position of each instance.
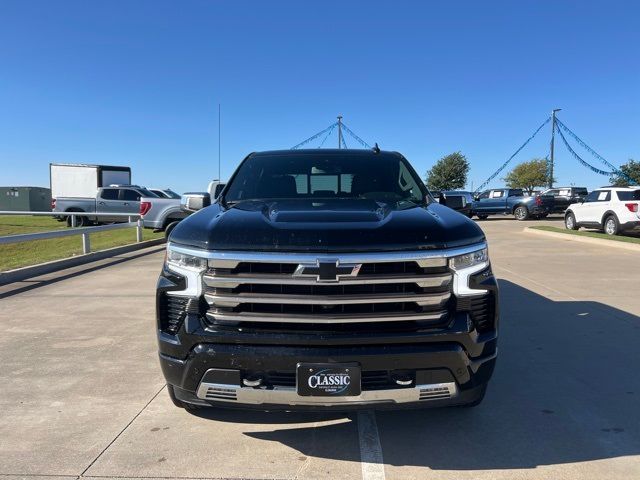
(587, 233)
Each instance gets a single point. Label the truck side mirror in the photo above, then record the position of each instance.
(194, 201)
(442, 199)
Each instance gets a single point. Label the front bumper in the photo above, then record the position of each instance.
(432, 366)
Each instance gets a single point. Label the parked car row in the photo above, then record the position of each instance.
(614, 210)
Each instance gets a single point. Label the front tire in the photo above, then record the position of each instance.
(570, 222)
(611, 225)
(169, 228)
(521, 213)
(477, 400)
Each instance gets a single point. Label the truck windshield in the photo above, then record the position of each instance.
(386, 178)
(170, 193)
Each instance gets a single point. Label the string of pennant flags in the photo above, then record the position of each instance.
(558, 127)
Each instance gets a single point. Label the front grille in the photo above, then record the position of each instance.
(172, 313)
(266, 294)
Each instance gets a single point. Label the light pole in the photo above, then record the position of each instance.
(219, 141)
(553, 134)
(339, 131)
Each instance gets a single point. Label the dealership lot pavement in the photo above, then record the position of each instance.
(82, 393)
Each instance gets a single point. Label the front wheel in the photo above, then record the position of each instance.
(611, 225)
(478, 398)
(169, 228)
(521, 213)
(570, 221)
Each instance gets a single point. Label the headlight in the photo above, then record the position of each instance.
(185, 261)
(469, 259)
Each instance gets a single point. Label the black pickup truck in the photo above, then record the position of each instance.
(565, 196)
(326, 279)
(511, 201)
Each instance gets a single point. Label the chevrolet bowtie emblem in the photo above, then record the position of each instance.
(327, 270)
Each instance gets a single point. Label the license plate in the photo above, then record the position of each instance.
(328, 379)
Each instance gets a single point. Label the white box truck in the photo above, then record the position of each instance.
(83, 181)
(74, 186)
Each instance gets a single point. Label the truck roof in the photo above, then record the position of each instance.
(111, 167)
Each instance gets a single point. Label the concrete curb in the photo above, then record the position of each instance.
(635, 247)
(20, 274)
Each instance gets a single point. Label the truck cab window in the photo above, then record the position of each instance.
(129, 195)
(109, 194)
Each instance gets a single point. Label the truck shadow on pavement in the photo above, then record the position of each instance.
(565, 390)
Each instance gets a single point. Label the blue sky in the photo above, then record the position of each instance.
(138, 83)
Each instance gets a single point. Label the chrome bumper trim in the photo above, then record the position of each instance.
(232, 281)
(288, 396)
(234, 300)
(324, 319)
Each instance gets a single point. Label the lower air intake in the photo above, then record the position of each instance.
(440, 391)
(221, 393)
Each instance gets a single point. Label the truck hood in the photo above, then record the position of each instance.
(341, 225)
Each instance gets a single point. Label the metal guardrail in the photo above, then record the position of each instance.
(84, 231)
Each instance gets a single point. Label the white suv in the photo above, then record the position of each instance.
(612, 209)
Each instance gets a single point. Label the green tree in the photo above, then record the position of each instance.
(632, 170)
(528, 175)
(448, 173)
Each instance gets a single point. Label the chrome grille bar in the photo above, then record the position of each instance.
(322, 319)
(434, 299)
(232, 281)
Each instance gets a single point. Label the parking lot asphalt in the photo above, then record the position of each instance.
(83, 396)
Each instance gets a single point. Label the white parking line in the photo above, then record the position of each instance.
(370, 449)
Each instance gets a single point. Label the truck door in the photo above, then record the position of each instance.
(479, 204)
(497, 201)
(130, 201)
(108, 201)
